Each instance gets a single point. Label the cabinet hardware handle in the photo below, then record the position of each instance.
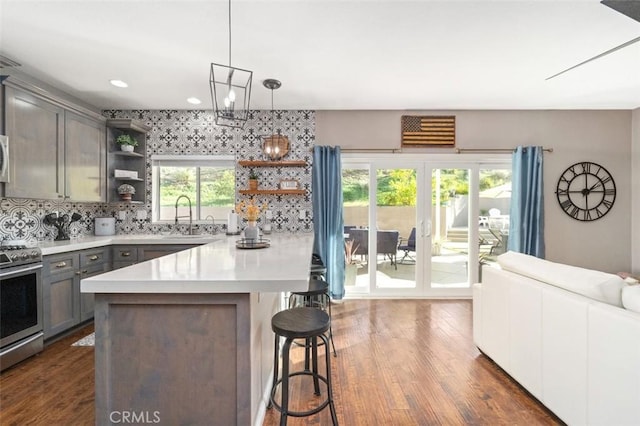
(125, 254)
(94, 257)
(82, 272)
(61, 265)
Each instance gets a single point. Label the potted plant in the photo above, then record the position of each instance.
(126, 142)
(126, 191)
(350, 263)
(253, 179)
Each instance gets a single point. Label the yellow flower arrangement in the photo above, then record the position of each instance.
(250, 210)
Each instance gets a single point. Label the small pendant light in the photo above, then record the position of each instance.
(276, 145)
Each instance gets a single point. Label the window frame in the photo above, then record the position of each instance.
(161, 160)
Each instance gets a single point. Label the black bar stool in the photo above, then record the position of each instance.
(301, 323)
(318, 270)
(316, 296)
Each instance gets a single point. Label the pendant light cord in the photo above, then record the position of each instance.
(229, 33)
(272, 114)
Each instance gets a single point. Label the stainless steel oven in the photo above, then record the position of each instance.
(4, 159)
(21, 324)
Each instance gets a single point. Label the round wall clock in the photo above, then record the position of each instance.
(586, 191)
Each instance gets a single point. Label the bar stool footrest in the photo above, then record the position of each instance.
(315, 410)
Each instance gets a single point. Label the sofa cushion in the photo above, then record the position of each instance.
(595, 285)
(631, 298)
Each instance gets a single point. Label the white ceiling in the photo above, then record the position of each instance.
(341, 54)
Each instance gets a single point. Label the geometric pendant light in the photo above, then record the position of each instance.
(230, 91)
(276, 145)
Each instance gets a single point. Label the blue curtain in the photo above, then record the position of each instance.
(526, 223)
(327, 215)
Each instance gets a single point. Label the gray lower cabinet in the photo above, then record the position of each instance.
(63, 304)
(154, 251)
(124, 256)
(129, 255)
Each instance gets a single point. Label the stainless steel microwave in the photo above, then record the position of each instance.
(4, 159)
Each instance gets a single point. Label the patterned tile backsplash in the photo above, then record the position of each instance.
(182, 132)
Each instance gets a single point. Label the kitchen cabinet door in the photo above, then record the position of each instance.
(85, 158)
(87, 300)
(36, 133)
(60, 293)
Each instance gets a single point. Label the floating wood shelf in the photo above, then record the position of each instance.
(128, 154)
(128, 124)
(272, 191)
(124, 179)
(125, 202)
(260, 163)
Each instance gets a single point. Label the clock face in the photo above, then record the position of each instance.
(586, 191)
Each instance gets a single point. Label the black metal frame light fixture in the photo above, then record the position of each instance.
(230, 91)
(275, 146)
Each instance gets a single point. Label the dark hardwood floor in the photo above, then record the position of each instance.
(400, 362)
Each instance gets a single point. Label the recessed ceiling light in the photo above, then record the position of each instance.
(194, 101)
(118, 83)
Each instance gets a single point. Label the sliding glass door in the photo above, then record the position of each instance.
(415, 228)
(381, 211)
(449, 236)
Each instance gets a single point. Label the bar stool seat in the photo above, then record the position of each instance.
(301, 323)
(316, 296)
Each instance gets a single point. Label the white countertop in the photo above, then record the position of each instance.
(54, 247)
(217, 267)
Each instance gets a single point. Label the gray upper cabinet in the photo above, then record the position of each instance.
(58, 149)
(36, 133)
(85, 158)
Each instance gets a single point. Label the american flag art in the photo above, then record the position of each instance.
(429, 130)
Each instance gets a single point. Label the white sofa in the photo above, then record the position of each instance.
(577, 355)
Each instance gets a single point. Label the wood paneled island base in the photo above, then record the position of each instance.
(185, 339)
(173, 359)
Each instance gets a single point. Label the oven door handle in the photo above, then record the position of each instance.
(19, 271)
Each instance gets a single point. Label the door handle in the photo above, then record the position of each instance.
(428, 228)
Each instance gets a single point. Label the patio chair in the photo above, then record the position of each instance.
(489, 239)
(501, 237)
(348, 228)
(387, 242)
(408, 245)
(360, 239)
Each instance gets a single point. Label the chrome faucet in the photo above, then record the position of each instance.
(190, 213)
(213, 223)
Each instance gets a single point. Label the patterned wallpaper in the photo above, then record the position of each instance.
(186, 132)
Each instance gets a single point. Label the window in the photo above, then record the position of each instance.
(208, 181)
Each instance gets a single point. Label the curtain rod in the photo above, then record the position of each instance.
(371, 150)
(471, 150)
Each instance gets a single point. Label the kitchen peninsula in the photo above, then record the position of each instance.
(186, 338)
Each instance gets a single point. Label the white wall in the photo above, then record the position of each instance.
(635, 193)
(603, 137)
